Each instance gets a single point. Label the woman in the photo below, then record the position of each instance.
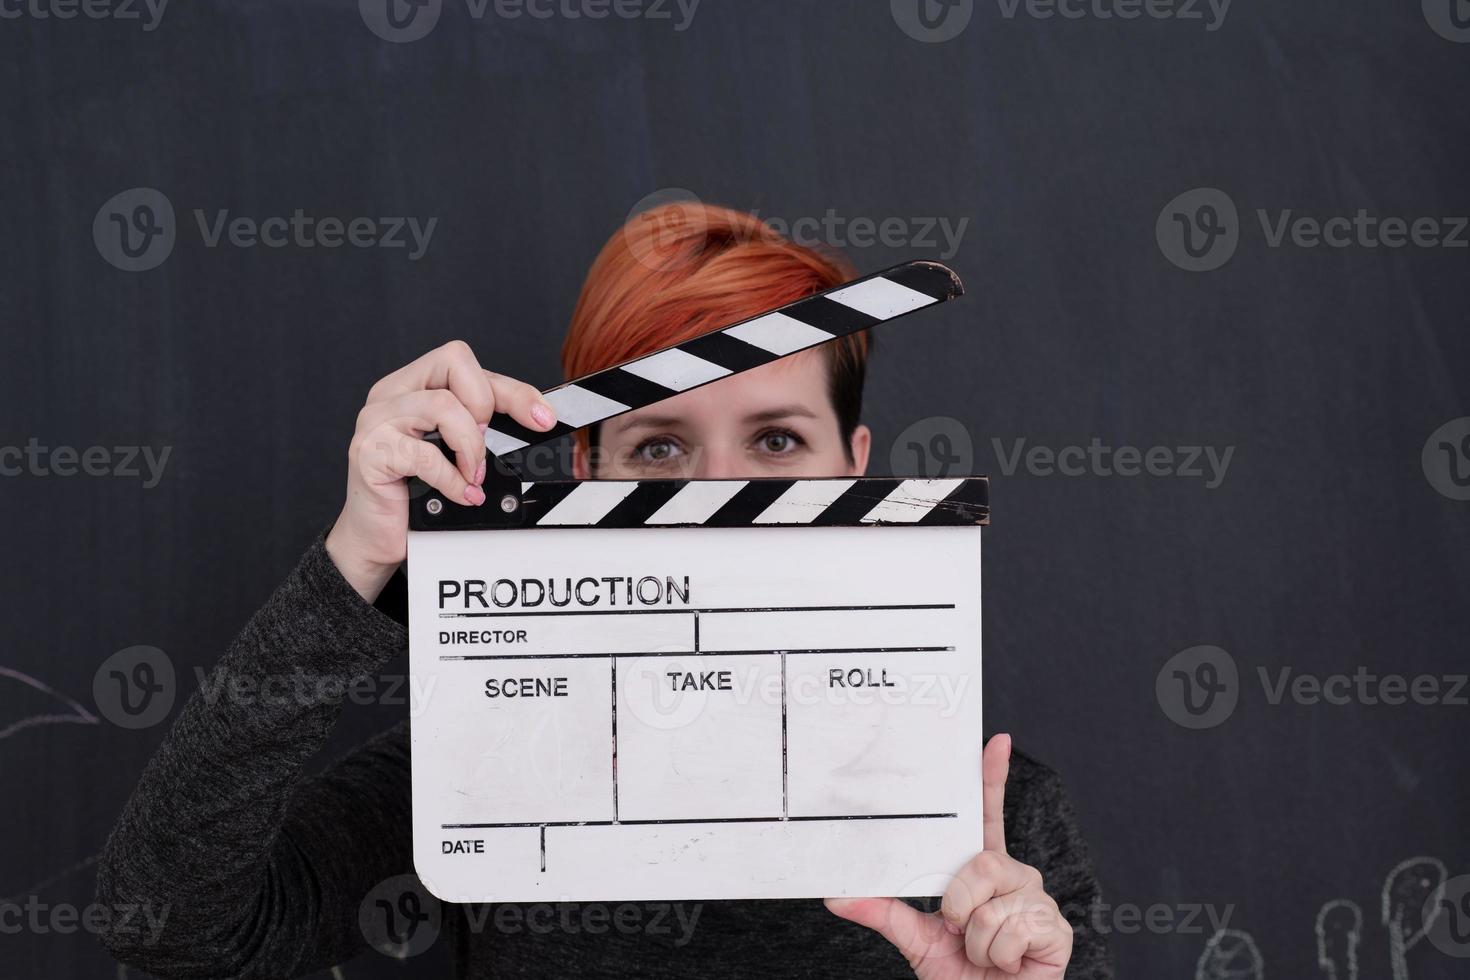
(263, 870)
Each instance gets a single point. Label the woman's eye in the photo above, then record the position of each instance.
(778, 442)
(659, 450)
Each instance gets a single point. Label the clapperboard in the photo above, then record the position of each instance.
(699, 689)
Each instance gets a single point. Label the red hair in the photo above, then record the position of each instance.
(681, 269)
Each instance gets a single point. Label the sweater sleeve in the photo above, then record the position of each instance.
(242, 863)
(1042, 831)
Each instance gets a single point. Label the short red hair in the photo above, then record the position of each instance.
(682, 269)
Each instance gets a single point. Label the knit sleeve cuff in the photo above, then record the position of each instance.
(326, 623)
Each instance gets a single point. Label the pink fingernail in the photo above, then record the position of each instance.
(543, 416)
(951, 928)
(479, 474)
(484, 427)
(474, 496)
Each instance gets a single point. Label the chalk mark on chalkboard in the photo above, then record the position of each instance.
(78, 716)
(1339, 931)
(1230, 955)
(50, 880)
(1410, 888)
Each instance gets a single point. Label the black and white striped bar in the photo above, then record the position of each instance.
(828, 502)
(806, 323)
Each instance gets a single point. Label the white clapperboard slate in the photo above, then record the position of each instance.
(690, 689)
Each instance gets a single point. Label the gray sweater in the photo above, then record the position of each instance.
(264, 870)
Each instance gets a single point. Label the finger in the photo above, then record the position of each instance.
(521, 402)
(981, 928)
(420, 412)
(917, 935)
(995, 765)
(1038, 931)
(989, 920)
(424, 412)
(986, 875)
(425, 461)
(453, 367)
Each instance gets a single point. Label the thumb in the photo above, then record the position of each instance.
(919, 936)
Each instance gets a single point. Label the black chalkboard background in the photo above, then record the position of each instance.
(1058, 142)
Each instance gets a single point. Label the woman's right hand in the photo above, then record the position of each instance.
(447, 390)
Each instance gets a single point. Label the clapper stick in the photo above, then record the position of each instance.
(719, 353)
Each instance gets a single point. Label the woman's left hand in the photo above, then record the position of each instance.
(994, 921)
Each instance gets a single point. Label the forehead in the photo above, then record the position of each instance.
(797, 380)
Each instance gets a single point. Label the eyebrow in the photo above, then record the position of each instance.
(783, 412)
(764, 415)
